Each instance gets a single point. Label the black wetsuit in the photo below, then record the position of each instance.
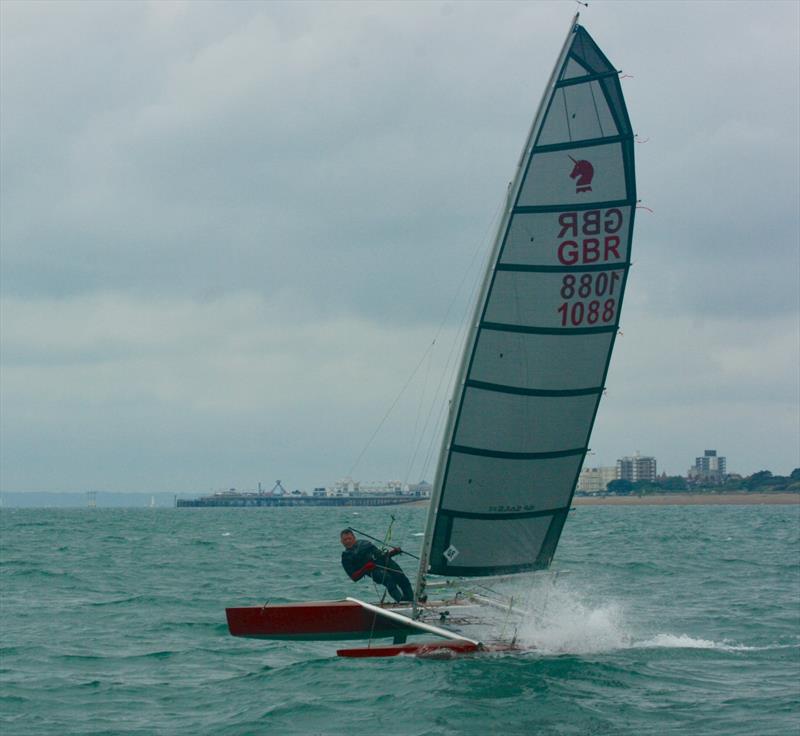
(386, 571)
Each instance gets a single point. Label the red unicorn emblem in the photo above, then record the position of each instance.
(583, 172)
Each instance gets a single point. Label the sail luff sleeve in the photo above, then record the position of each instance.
(545, 323)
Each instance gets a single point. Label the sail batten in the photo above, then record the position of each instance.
(568, 81)
(501, 516)
(483, 452)
(524, 391)
(531, 330)
(559, 269)
(571, 207)
(537, 356)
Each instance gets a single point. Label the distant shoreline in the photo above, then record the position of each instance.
(730, 498)
(690, 499)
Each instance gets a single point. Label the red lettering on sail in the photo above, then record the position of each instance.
(568, 253)
(578, 250)
(612, 246)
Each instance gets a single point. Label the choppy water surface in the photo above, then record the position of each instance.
(667, 620)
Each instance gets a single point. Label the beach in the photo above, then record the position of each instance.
(689, 499)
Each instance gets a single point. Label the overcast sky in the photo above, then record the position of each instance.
(232, 231)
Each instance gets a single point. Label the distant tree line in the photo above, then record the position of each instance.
(761, 482)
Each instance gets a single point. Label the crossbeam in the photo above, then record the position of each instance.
(428, 628)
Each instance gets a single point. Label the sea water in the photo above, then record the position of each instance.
(655, 620)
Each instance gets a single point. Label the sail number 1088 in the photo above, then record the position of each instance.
(586, 310)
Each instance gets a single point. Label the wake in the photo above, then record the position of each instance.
(562, 621)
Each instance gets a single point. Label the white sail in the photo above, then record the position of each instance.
(536, 359)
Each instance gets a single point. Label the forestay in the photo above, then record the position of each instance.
(536, 360)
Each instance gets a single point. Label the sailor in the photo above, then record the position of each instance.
(361, 557)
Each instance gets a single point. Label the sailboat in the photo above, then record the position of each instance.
(529, 384)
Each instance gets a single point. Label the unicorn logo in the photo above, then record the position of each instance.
(583, 171)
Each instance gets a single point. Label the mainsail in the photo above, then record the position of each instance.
(536, 359)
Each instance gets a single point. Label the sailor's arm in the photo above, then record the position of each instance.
(358, 574)
(352, 559)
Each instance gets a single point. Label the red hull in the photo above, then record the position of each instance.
(315, 620)
(429, 650)
(433, 650)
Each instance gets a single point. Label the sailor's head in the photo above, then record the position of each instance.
(347, 537)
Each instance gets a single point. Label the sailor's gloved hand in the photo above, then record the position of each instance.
(394, 551)
(358, 574)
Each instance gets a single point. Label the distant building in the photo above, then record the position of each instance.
(422, 489)
(710, 468)
(352, 488)
(595, 480)
(346, 487)
(636, 468)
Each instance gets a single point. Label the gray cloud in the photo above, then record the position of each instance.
(231, 230)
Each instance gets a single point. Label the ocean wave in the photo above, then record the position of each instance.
(116, 601)
(159, 654)
(565, 621)
(202, 543)
(684, 641)
(34, 573)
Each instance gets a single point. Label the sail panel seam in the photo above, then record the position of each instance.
(533, 268)
(472, 571)
(587, 143)
(528, 209)
(587, 78)
(505, 389)
(464, 450)
(503, 327)
(503, 517)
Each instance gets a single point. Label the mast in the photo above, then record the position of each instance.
(480, 302)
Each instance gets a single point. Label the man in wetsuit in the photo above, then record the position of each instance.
(361, 557)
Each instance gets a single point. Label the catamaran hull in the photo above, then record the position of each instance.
(314, 620)
(429, 650)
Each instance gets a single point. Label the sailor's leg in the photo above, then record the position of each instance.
(394, 571)
(405, 586)
(391, 585)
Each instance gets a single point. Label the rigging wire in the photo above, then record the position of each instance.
(566, 114)
(432, 344)
(389, 410)
(460, 336)
(596, 111)
(415, 444)
(449, 368)
(386, 539)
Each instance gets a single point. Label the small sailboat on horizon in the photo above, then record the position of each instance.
(529, 384)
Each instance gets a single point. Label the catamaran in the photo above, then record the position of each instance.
(528, 387)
